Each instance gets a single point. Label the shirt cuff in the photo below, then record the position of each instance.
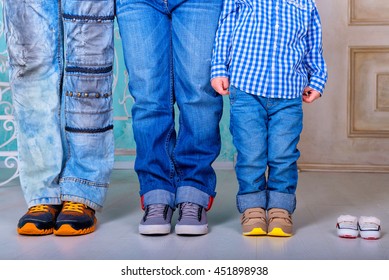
(219, 71)
(317, 84)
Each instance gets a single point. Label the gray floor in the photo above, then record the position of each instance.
(322, 197)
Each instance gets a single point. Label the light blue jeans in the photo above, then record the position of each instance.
(61, 56)
(167, 47)
(266, 132)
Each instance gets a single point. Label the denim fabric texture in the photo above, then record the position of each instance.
(61, 56)
(167, 48)
(266, 132)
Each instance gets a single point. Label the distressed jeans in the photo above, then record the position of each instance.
(167, 46)
(266, 132)
(61, 57)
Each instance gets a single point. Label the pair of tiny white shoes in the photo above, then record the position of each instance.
(350, 227)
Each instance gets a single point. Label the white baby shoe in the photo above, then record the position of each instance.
(369, 227)
(347, 226)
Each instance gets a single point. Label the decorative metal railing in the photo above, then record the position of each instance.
(8, 156)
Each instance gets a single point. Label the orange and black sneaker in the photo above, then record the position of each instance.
(75, 219)
(39, 220)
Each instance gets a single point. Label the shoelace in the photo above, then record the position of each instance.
(155, 211)
(73, 206)
(39, 208)
(190, 210)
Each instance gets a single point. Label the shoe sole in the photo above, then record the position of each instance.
(154, 229)
(67, 230)
(31, 229)
(347, 233)
(191, 230)
(370, 234)
(279, 232)
(255, 232)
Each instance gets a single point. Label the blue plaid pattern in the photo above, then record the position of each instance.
(270, 48)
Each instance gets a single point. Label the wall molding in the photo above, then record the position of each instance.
(344, 168)
(379, 18)
(368, 116)
(218, 165)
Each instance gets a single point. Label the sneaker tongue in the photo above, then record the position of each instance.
(189, 210)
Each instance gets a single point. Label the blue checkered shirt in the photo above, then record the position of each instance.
(271, 48)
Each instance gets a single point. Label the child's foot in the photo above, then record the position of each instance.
(253, 222)
(280, 223)
(156, 220)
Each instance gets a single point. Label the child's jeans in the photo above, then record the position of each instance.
(62, 50)
(266, 132)
(167, 48)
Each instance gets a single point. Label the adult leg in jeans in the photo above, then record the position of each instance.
(155, 38)
(194, 26)
(145, 31)
(87, 89)
(34, 40)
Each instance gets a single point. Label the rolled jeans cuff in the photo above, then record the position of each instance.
(194, 195)
(251, 200)
(281, 200)
(45, 200)
(158, 196)
(93, 196)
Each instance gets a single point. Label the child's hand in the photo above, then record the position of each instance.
(310, 95)
(220, 85)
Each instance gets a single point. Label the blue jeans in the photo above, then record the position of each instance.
(61, 56)
(266, 132)
(167, 47)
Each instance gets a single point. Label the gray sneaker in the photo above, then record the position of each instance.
(192, 219)
(156, 220)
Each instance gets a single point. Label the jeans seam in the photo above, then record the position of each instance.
(68, 153)
(90, 113)
(173, 163)
(89, 76)
(83, 182)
